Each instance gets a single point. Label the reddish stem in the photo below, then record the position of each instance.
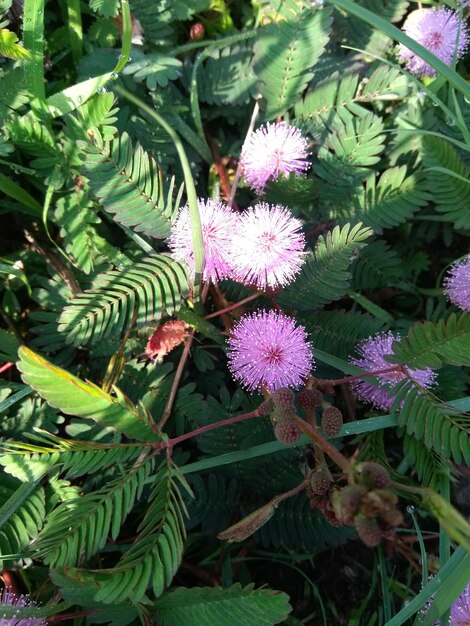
(68, 616)
(204, 429)
(5, 367)
(350, 379)
(328, 448)
(232, 306)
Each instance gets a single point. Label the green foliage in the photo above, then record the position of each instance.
(378, 266)
(107, 8)
(286, 51)
(22, 513)
(432, 344)
(235, 606)
(213, 504)
(339, 332)
(427, 465)
(227, 76)
(447, 176)
(156, 69)
(75, 397)
(325, 276)
(129, 185)
(141, 293)
(296, 526)
(389, 200)
(9, 46)
(440, 427)
(155, 555)
(81, 527)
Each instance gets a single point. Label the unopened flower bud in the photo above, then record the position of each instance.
(265, 407)
(373, 475)
(284, 399)
(331, 421)
(320, 480)
(309, 398)
(287, 432)
(368, 530)
(197, 32)
(346, 502)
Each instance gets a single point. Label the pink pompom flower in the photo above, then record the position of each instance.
(8, 598)
(460, 609)
(218, 224)
(457, 284)
(372, 353)
(268, 349)
(271, 150)
(441, 31)
(267, 248)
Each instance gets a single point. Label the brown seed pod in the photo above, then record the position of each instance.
(346, 502)
(373, 475)
(368, 530)
(331, 421)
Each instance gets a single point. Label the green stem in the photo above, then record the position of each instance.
(33, 39)
(189, 183)
(444, 538)
(74, 23)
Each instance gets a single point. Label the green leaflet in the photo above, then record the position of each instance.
(325, 276)
(431, 344)
(81, 526)
(142, 292)
(155, 555)
(129, 184)
(83, 399)
(235, 606)
(286, 51)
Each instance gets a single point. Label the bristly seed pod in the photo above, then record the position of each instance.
(372, 475)
(287, 432)
(368, 530)
(331, 421)
(266, 407)
(309, 398)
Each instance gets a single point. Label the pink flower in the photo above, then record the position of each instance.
(218, 224)
(7, 597)
(457, 284)
(271, 150)
(460, 610)
(268, 349)
(267, 249)
(440, 31)
(372, 358)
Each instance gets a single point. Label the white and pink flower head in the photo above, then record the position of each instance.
(439, 30)
(267, 248)
(272, 150)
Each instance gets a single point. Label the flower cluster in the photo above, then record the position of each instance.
(8, 598)
(263, 246)
(272, 150)
(460, 609)
(440, 31)
(457, 284)
(372, 353)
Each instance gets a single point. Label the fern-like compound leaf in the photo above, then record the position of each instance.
(431, 344)
(128, 184)
(286, 50)
(73, 396)
(81, 526)
(235, 606)
(155, 556)
(440, 427)
(325, 276)
(143, 292)
(447, 176)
